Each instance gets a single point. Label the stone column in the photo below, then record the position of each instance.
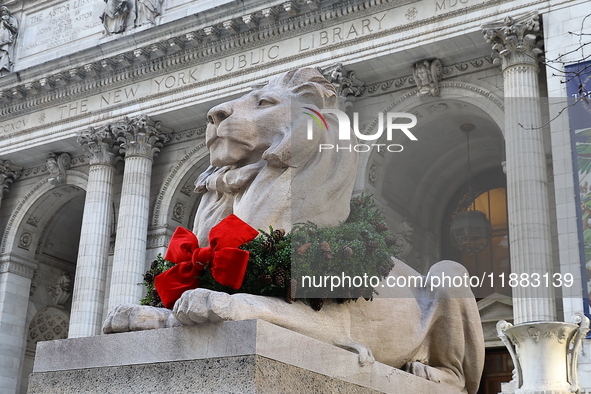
(93, 253)
(515, 40)
(8, 173)
(140, 140)
(15, 286)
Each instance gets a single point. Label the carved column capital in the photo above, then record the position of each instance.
(8, 173)
(516, 41)
(140, 136)
(100, 145)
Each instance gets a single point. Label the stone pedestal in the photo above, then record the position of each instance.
(250, 356)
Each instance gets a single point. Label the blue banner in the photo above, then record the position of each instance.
(578, 87)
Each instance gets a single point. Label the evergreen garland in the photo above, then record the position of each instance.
(360, 246)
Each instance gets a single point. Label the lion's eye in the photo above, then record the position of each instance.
(264, 102)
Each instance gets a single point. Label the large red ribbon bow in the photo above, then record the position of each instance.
(227, 262)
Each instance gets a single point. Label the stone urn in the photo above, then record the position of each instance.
(545, 354)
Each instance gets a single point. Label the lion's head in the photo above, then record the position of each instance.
(264, 167)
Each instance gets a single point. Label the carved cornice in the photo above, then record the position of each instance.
(140, 136)
(187, 48)
(8, 173)
(18, 266)
(118, 70)
(42, 169)
(100, 145)
(517, 41)
(451, 71)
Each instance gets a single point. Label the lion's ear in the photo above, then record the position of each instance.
(320, 92)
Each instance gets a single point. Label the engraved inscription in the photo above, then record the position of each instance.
(58, 25)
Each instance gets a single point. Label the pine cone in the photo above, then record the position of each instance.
(372, 246)
(278, 234)
(279, 276)
(381, 227)
(149, 277)
(154, 265)
(390, 240)
(346, 252)
(316, 303)
(265, 280)
(291, 291)
(268, 245)
(303, 249)
(325, 247)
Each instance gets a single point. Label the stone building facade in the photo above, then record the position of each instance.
(102, 135)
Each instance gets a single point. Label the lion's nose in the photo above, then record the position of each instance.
(218, 113)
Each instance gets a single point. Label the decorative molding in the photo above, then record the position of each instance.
(159, 237)
(451, 84)
(42, 169)
(48, 324)
(188, 134)
(169, 179)
(18, 266)
(408, 81)
(516, 41)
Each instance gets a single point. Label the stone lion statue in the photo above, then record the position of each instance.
(265, 171)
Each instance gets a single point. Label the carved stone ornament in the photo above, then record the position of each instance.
(8, 173)
(62, 290)
(427, 74)
(8, 32)
(515, 40)
(343, 81)
(57, 167)
(118, 13)
(115, 14)
(100, 145)
(556, 343)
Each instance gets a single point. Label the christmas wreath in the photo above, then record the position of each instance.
(278, 262)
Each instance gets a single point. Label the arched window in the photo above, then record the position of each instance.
(489, 189)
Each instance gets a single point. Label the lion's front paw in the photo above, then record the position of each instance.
(131, 317)
(202, 305)
(424, 371)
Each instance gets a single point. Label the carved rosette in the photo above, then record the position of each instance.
(140, 136)
(516, 41)
(100, 145)
(8, 174)
(556, 343)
